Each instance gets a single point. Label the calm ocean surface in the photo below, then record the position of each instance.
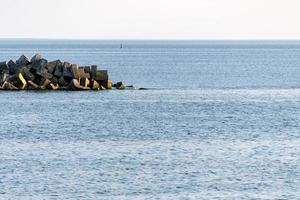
(221, 120)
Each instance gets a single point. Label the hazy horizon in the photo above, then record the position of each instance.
(151, 20)
(153, 39)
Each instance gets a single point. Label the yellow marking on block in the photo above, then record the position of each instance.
(109, 84)
(22, 79)
(96, 85)
(87, 82)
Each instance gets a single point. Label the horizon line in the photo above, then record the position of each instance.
(150, 39)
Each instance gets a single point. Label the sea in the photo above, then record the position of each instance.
(215, 120)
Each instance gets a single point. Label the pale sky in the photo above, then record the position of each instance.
(150, 19)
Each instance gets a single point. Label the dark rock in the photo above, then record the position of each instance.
(5, 71)
(28, 74)
(12, 67)
(74, 71)
(67, 64)
(93, 71)
(23, 60)
(17, 69)
(61, 81)
(36, 57)
(67, 70)
(82, 81)
(3, 77)
(13, 78)
(54, 80)
(3, 66)
(101, 75)
(120, 86)
(46, 75)
(11, 63)
(87, 69)
(50, 66)
(58, 69)
(39, 66)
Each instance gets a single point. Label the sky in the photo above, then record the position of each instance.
(151, 19)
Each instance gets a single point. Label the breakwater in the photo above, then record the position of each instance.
(38, 73)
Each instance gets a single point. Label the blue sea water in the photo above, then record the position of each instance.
(221, 120)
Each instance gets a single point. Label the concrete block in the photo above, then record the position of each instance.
(54, 80)
(95, 85)
(87, 69)
(3, 77)
(44, 84)
(109, 84)
(93, 71)
(23, 60)
(12, 67)
(54, 86)
(76, 85)
(39, 66)
(82, 74)
(62, 81)
(46, 75)
(13, 78)
(35, 58)
(120, 86)
(10, 86)
(58, 69)
(67, 70)
(28, 74)
(32, 85)
(74, 71)
(3, 66)
(101, 75)
(50, 66)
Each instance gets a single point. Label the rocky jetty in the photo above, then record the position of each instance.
(38, 73)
